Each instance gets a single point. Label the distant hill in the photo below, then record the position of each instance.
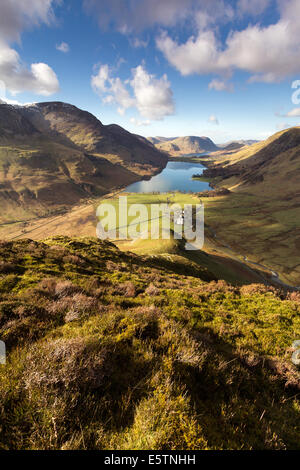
(53, 155)
(158, 140)
(236, 144)
(178, 146)
(267, 164)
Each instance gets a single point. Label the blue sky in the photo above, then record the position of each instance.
(174, 67)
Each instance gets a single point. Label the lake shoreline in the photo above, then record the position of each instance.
(176, 176)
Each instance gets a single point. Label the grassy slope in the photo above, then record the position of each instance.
(74, 126)
(42, 177)
(53, 156)
(266, 231)
(81, 220)
(213, 257)
(260, 218)
(110, 350)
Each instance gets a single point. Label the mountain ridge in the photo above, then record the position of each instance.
(179, 146)
(260, 161)
(260, 217)
(236, 144)
(53, 155)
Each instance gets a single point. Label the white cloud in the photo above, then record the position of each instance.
(99, 81)
(197, 55)
(213, 119)
(269, 53)
(252, 7)
(281, 126)
(137, 15)
(15, 16)
(19, 15)
(120, 61)
(139, 123)
(152, 97)
(44, 81)
(63, 47)
(293, 113)
(111, 89)
(209, 13)
(4, 100)
(121, 111)
(39, 78)
(109, 99)
(264, 135)
(137, 43)
(220, 85)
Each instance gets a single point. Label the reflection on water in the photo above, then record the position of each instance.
(177, 176)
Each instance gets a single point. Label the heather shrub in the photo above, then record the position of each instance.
(65, 288)
(251, 289)
(294, 297)
(79, 305)
(48, 285)
(213, 287)
(126, 289)
(189, 364)
(73, 259)
(152, 290)
(72, 364)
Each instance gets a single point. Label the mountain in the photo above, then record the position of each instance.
(53, 155)
(110, 350)
(157, 140)
(72, 125)
(236, 144)
(260, 217)
(183, 145)
(263, 166)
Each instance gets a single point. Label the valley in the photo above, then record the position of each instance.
(261, 216)
(205, 334)
(257, 225)
(149, 229)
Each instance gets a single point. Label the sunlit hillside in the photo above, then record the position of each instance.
(260, 218)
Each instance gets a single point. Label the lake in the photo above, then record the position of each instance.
(177, 176)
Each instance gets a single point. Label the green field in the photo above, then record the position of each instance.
(147, 200)
(265, 229)
(221, 263)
